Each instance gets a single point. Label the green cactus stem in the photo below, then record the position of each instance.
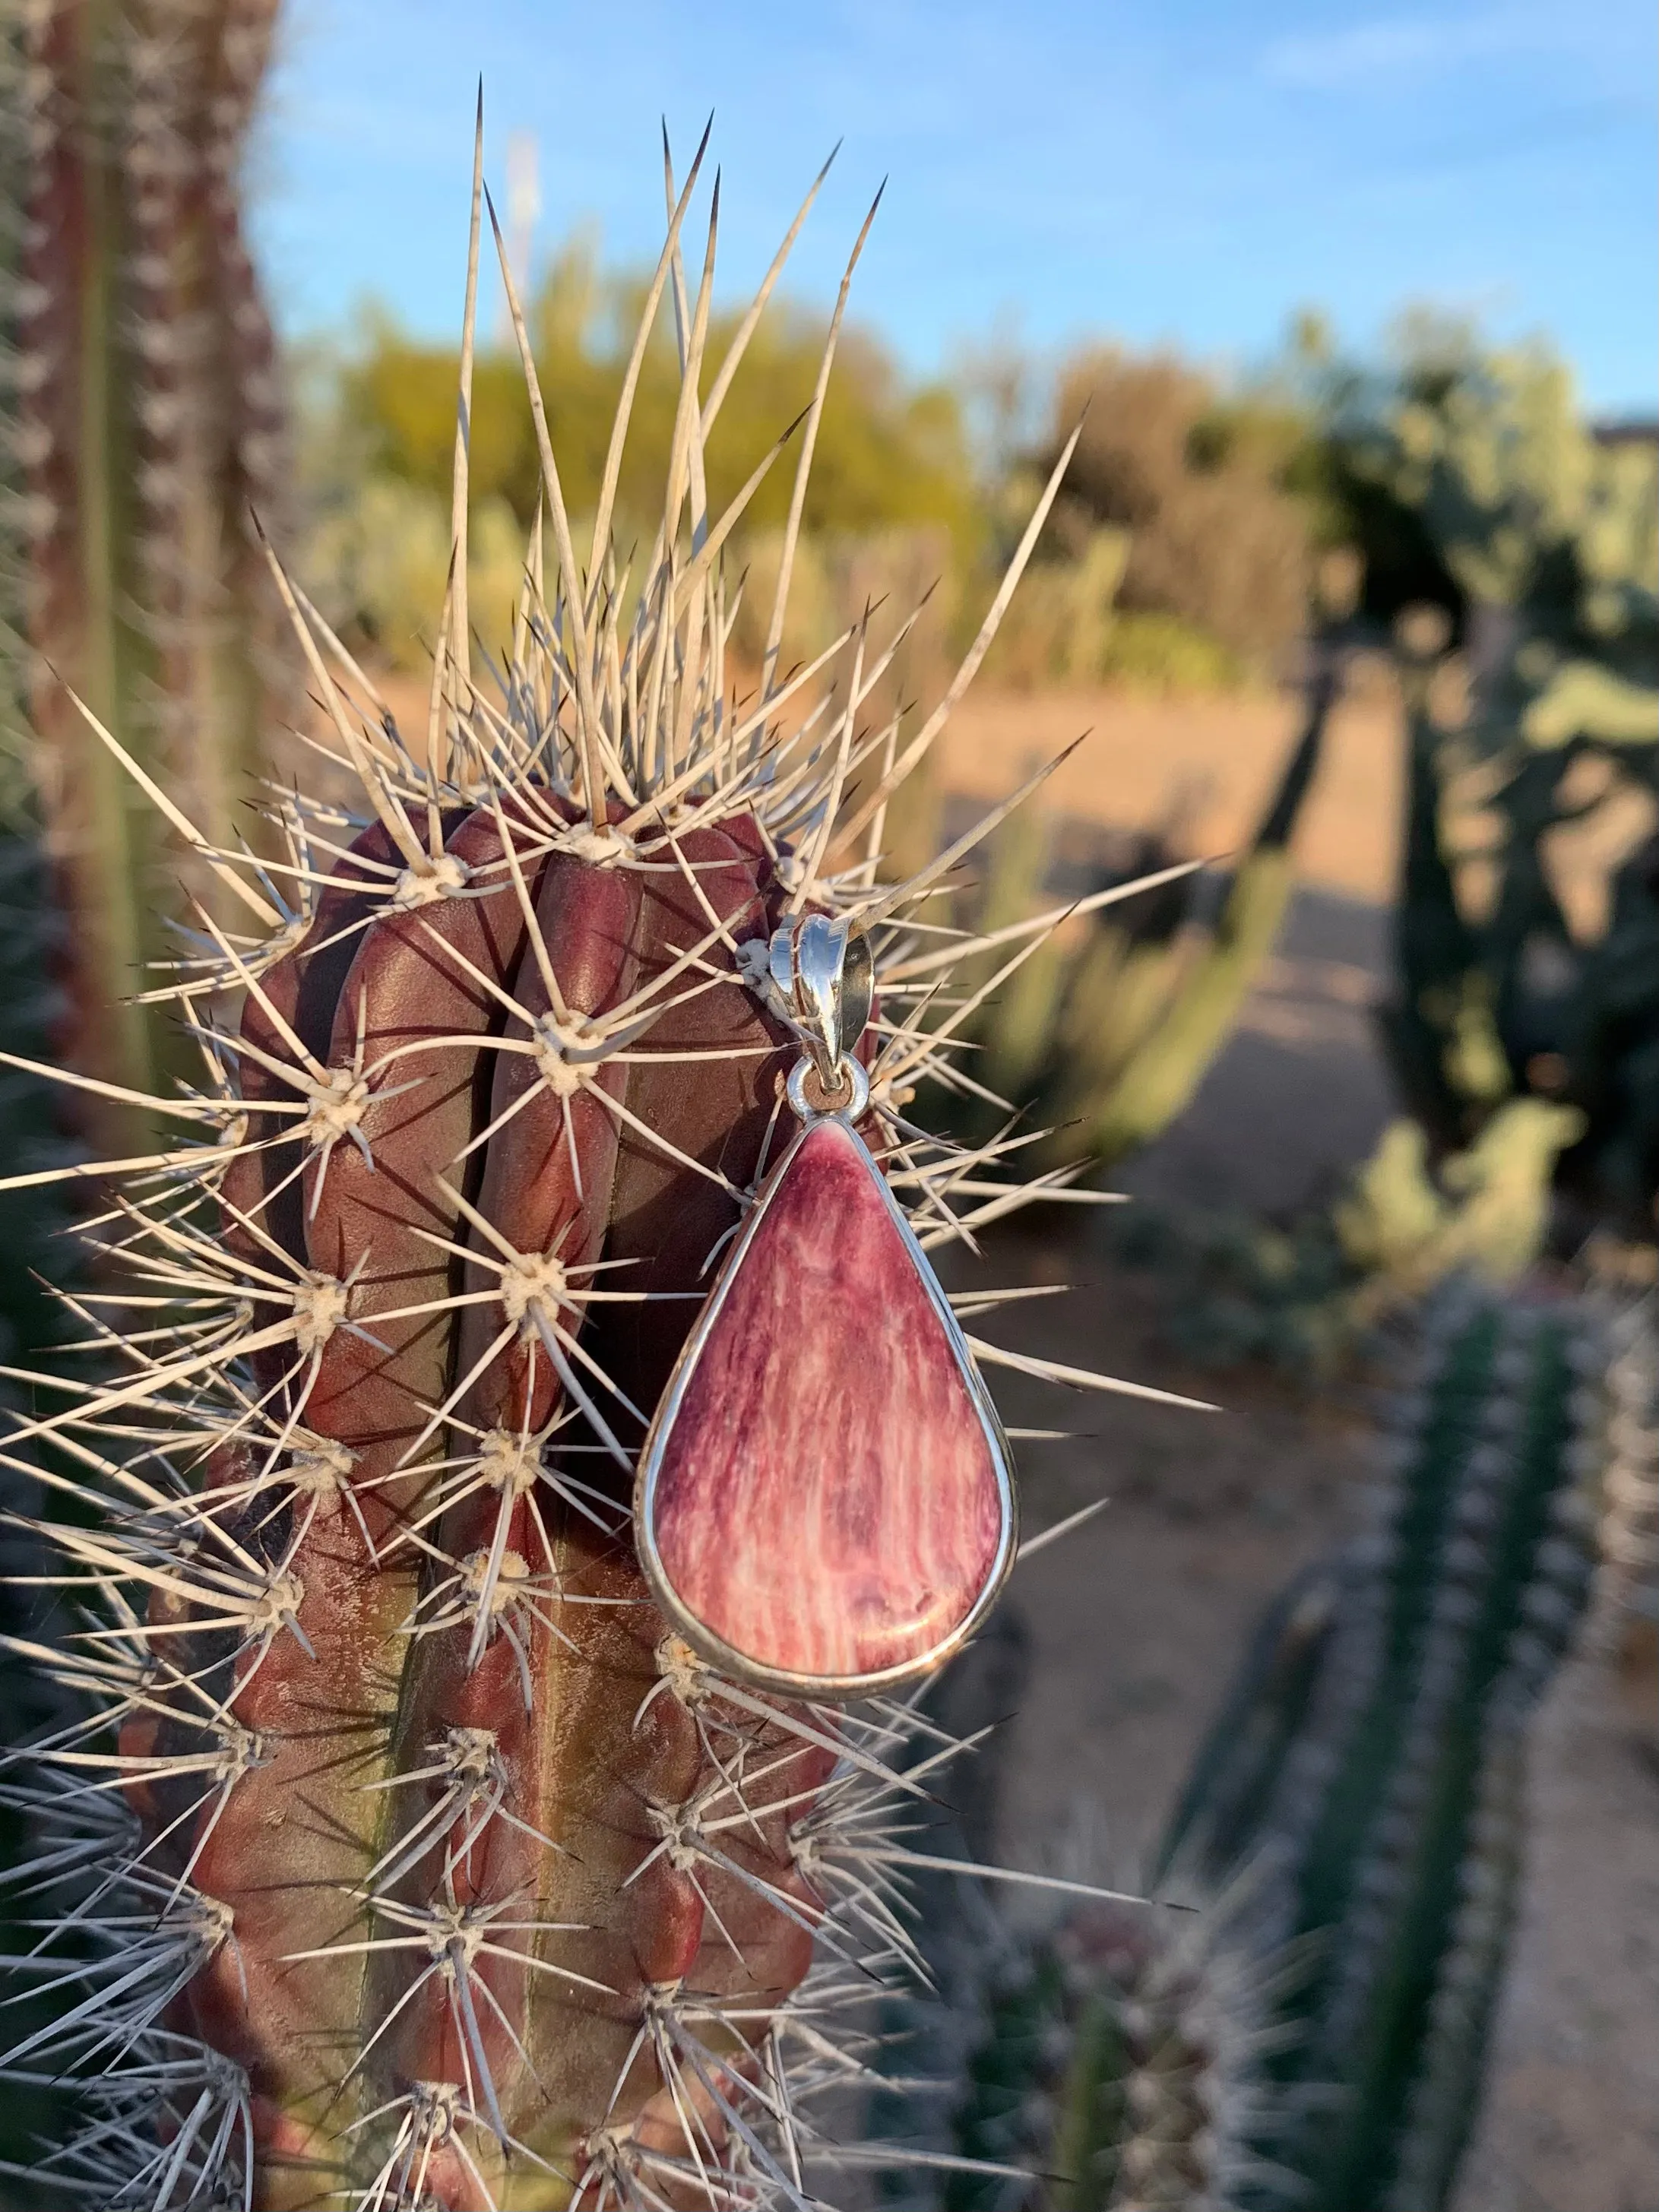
(1119, 2068)
(1162, 1073)
(1110, 1027)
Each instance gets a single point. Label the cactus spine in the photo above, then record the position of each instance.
(399, 1858)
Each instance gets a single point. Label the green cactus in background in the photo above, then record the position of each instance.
(1118, 2068)
(1113, 1111)
(1371, 1756)
(1109, 1022)
(1549, 545)
(143, 423)
(1311, 2033)
(1627, 1593)
(1486, 1214)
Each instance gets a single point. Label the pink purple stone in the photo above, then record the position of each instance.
(827, 1499)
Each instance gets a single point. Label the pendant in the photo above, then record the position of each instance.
(824, 1504)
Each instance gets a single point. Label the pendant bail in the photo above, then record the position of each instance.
(824, 978)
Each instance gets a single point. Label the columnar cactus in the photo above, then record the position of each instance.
(1373, 1757)
(1628, 1592)
(141, 416)
(1120, 2070)
(403, 1857)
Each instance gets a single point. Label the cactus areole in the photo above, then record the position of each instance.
(526, 1421)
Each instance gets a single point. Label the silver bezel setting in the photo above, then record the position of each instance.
(701, 1638)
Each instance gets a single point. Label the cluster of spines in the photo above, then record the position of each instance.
(280, 1557)
(1119, 2068)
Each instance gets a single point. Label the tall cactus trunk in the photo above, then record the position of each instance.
(1373, 1753)
(146, 414)
(427, 1868)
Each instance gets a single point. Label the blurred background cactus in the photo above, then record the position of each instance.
(1627, 1593)
(144, 423)
(1546, 544)
(1372, 1758)
(1312, 2029)
(1106, 1029)
(1120, 2064)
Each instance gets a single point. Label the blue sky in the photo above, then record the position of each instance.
(1189, 171)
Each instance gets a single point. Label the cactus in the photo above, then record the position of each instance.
(1373, 1756)
(143, 418)
(1164, 1070)
(1110, 1029)
(1547, 542)
(1396, 1225)
(1627, 1590)
(398, 1855)
(1120, 2070)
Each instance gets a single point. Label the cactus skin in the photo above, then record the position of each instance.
(587, 1773)
(145, 416)
(1375, 1748)
(396, 1859)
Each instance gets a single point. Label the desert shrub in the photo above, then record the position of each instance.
(375, 563)
(1217, 539)
(889, 453)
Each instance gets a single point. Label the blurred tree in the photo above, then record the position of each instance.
(888, 453)
(1218, 538)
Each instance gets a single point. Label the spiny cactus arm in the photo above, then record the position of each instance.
(1119, 2068)
(283, 1999)
(1448, 2063)
(1387, 1833)
(1477, 1672)
(150, 416)
(1238, 1765)
(77, 442)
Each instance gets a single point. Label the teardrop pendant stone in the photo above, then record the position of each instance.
(824, 1501)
